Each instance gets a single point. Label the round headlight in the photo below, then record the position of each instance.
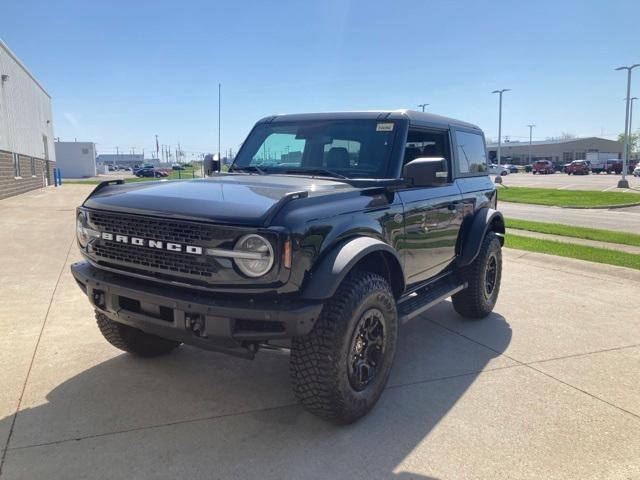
(81, 232)
(254, 255)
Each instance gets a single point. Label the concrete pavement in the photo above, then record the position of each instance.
(546, 387)
(621, 219)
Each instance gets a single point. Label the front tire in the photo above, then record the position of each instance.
(340, 369)
(133, 340)
(483, 278)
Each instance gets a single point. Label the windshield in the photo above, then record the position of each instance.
(337, 148)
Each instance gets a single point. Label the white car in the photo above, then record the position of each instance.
(636, 171)
(498, 169)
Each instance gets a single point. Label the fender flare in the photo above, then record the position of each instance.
(485, 220)
(339, 261)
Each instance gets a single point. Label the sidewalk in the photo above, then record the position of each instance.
(578, 241)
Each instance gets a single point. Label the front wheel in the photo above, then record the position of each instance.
(483, 278)
(340, 369)
(133, 340)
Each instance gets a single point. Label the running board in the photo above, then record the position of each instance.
(427, 297)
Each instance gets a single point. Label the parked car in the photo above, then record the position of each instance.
(511, 168)
(498, 169)
(150, 171)
(613, 166)
(177, 166)
(333, 254)
(543, 167)
(577, 167)
(636, 170)
(528, 168)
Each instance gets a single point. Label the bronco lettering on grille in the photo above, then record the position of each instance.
(144, 242)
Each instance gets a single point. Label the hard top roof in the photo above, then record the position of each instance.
(411, 115)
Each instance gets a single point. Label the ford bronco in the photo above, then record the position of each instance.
(328, 232)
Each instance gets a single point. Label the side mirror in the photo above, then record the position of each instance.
(426, 172)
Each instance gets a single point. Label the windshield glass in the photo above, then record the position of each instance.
(351, 148)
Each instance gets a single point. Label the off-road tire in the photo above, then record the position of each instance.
(473, 301)
(320, 361)
(133, 340)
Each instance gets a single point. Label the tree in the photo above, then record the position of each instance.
(633, 140)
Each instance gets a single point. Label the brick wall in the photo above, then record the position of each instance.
(29, 180)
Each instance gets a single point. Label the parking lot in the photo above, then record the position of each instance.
(547, 387)
(601, 182)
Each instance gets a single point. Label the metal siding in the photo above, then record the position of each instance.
(24, 110)
(72, 162)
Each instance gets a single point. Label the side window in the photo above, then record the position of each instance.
(426, 143)
(471, 154)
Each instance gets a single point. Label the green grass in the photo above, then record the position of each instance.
(566, 198)
(610, 236)
(174, 175)
(580, 252)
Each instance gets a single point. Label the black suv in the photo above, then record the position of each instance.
(329, 231)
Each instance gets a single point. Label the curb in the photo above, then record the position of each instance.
(597, 207)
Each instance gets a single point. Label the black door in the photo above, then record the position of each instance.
(433, 215)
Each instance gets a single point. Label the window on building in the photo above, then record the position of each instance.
(33, 167)
(85, 151)
(581, 155)
(567, 156)
(16, 165)
(472, 156)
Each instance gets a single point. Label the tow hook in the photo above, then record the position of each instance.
(195, 323)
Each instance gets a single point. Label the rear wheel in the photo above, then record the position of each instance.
(340, 369)
(133, 340)
(483, 278)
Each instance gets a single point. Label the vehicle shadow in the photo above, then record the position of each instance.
(203, 415)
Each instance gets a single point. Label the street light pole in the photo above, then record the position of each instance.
(631, 115)
(623, 183)
(530, 137)
(500, 92)
(422, 105)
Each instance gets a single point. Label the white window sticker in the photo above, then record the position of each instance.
(384, 127)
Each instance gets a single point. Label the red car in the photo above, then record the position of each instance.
(543, 167)
(578, 167)
(613, 166)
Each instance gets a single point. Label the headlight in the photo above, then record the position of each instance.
(253, 255)
(81, 231)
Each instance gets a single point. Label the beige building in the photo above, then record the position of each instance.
(557, 151)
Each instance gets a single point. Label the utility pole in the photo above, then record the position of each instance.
(117, 155)
(500, 92)
(422, 105)
(219, 116)
(530, 138)
(623, 182)
(631, 115)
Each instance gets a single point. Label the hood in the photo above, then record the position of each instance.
(238, 199)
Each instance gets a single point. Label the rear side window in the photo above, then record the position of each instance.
(471, 154)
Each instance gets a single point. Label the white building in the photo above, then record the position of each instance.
(26, 128)
(76, 159)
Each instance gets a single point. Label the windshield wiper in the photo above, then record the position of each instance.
(323, 172)
(249, 168)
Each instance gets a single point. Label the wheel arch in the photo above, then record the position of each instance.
(365, 253)
(473, 231)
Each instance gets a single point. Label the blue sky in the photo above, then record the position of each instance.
(120, 72)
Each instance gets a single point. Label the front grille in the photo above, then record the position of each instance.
(163, 263)
(179, 263)
(159, 229)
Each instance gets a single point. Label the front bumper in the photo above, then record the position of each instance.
(228, 324)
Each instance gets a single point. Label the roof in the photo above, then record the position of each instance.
(411, 115)
(17, 60)
(547, 142)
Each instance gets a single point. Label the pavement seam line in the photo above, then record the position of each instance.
(585, 354)
(544, 373)
(33, 356)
